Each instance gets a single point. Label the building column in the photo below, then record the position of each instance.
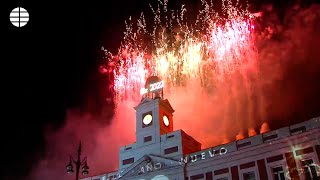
(235, 173)
(318, 151)
(292, 166)
(262, 169)
(209, 176)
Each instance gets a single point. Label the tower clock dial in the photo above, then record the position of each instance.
(147, 119)
(166, 120)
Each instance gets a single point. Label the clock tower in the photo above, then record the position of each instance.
(154, 115)
(154, 129)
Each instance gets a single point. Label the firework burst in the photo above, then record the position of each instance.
(211, 48)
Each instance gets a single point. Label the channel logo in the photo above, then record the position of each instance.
(19, 17)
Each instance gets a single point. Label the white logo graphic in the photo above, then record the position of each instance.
(19, 17)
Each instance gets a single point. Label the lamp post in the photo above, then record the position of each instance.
(78, 163)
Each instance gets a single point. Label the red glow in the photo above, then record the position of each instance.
(217, 62)
(214, 104)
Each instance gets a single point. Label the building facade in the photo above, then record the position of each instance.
(160, 153)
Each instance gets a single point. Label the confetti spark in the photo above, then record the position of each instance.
(210, 49)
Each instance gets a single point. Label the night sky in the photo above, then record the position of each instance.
(51, 65)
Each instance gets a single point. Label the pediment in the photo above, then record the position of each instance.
(167, 104)
(143, 101)
(149, 163)
(163, 102)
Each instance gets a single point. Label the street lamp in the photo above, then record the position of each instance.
(78, 163)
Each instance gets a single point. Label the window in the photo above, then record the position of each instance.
(111, 177)
(198, 176)
(249, 176)
(304, 151)
(171, 150)
(309, 169)
(147, 139)
(267, 138)
(209, 176)
(278, 173)
(247, 165)
(244, 144)
(274, 158)
(221, 171)
(127, 161)
(298, 130)
(224, 178)
(170, 136)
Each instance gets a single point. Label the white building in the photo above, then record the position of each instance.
(160, 153)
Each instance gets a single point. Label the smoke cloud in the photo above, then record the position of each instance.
(264, 128)
(100, 144)
(239, 136)
(274, 91)
(251, 132)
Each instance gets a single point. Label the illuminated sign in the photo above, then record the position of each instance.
(152, 87)
(142, 169)
(156, 86)
(149, 167)
(202, 156)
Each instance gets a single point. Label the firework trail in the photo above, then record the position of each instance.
(215, 47)
(216, 55)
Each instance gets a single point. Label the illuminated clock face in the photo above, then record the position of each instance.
(166, 120)
(147, 119)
